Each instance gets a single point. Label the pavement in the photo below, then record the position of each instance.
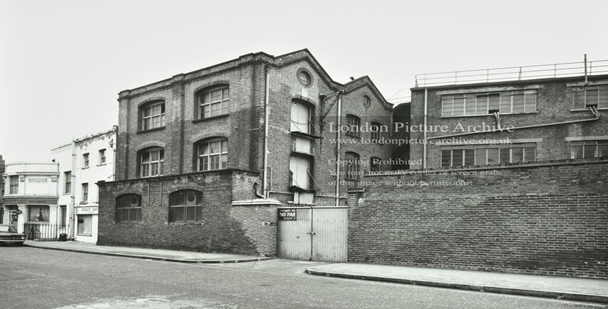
(144, 253)
(575, 289)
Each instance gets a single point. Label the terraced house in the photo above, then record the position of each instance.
(204, 159)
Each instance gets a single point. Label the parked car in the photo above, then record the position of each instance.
(9, 235)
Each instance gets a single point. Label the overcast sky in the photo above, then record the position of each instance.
(62, 63)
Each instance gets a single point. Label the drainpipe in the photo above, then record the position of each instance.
(426, 97)
(72, 220)
(338, 148)
(266, 117)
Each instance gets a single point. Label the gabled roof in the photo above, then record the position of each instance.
(275, 61)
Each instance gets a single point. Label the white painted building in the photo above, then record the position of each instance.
(30, 199)
(82, 164)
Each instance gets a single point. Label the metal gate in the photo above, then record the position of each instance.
(313, 234)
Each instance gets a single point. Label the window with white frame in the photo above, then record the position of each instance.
(589, 149)
(85, 160)
(213, 102)
(152, 115)
(454, 156)
(301, 117)
(85, 192)
(14, 184)
(354, 125)
(471, 104)
(38, 213)
(583, 97)
(352, 166)
(212, 154)
(128, 208)
(102, 156)
(67, 183)
(186, 206)
(300, 171)
(151, 162)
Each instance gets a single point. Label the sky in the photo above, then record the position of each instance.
(63, 62)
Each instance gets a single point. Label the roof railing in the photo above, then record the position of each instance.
(569, 69)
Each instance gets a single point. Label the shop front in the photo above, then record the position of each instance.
(86, 223)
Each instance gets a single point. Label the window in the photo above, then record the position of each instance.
(354, 123)
(352, 166)
(85, 225)
(185, 206)
(213, 102)
(301, 117)
(212, 155)
(68, 182)
(367, 101)
(128, 208)
(589, 149)
(151, 162)
(487, 155)
(63, 210)
(375, 165)
(470, 104)
(304, 77)
(85, 192)
(591, 95)
(14, 184)
(38, 213)
(152, 115)
(300, 171)
(85, 160)
(376, 129)
(102, 156)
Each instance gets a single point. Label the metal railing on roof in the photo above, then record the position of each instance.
(569, 69)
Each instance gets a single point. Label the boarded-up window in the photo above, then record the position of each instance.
(300, 171)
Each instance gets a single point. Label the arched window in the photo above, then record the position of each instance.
(128, 208)
(152, 115)
(352, 166)
(213, 102)
(151, 162)
(354, 125)
(211, 154)
(301, 117)
(185, 206)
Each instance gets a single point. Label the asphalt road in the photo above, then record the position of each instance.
(37, 278)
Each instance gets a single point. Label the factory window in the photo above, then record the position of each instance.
(128, 208)
(590, 95)
(455, 156)
(351, 166)
(151, 162)
(213, 102)
(589, 149)
(212, 154)
(185, 206)
(471, 104)
(152, 115)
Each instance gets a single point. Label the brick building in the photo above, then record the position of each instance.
(506, 116)
(190, 164)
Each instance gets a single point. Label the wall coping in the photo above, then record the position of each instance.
(258, 202)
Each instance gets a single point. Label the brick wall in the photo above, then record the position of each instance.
(218, 231)
(547, 219)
